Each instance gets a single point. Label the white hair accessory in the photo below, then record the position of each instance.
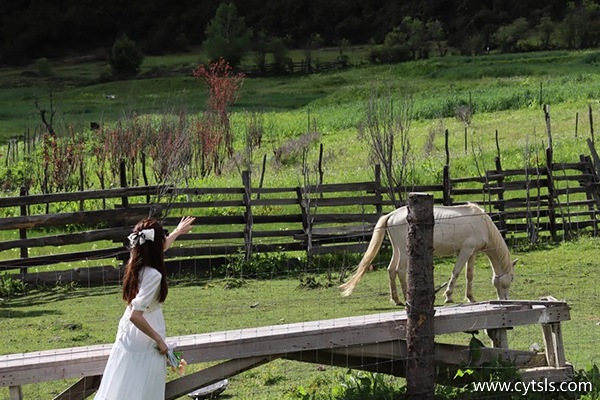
(139, 238)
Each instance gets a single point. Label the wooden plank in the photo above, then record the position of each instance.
(180, 387)
(274, 202)
(113, 234)
(338, 231)
(344, 218)
(239, 234)
(58, 258)
(89, 276)
(353, 330)
(499, 338)
(230, 249)
(342, 187)
(81, 217)
(207, 204)
(15, 392)
(52, 365)
(81, 389)
(348, 248)
(547, 374)
(263, 190)
(346, 201)
(549, 345)
(553, 344)
(77, 196)
(206, 190)
(445, 354)
(580, 166)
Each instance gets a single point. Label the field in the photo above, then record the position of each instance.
(506, 93)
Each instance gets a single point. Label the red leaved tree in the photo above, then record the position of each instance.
(214, 129)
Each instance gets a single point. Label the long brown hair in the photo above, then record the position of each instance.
(148, 254)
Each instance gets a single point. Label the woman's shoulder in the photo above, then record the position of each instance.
(149, 272)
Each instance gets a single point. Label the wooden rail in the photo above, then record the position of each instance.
(371, 342)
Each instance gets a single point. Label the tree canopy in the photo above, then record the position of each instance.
(36, 28)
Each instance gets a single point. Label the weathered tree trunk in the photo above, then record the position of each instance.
(420, 370)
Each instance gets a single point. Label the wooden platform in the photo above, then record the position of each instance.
(370, 342)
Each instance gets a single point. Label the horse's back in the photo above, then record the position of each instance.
(454, 228)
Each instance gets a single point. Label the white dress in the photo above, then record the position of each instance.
(135, 369)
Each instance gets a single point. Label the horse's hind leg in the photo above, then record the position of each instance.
(469, 275)
(392, 272)
(402, 271)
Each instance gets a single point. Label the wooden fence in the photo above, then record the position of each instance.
(554, 199)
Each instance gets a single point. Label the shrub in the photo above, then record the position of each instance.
(44, 67)
(10, 287)
(126, 58)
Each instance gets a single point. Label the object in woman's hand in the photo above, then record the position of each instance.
(175, 362)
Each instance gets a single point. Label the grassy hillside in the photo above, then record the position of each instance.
(505, 92)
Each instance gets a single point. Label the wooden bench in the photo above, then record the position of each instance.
(373, 342)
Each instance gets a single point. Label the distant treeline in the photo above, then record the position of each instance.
(31, 29)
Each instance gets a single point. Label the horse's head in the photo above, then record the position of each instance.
(502, 282)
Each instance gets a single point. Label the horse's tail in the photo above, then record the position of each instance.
(372, 250)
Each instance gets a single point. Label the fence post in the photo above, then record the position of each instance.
(591, 195)
(306, 223)
(248, 217)
(123, 176)
(23, 232)
(550, 176)
(591, 115)
(378, 191)
(420, 369)
(500, 183)
(446, 183)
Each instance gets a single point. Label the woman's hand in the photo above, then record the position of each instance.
(184, 226)
(162, 347)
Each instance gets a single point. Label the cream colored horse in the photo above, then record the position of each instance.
(464, 230)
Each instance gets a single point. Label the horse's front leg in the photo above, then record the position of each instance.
(392, 272)
(463, 257)
(469, 275)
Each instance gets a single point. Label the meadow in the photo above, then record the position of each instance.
(506, 93)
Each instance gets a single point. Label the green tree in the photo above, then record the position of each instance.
(394, 48)
(314, 42)
(125, 58)
(509, 36)
(279, 49)
(261, 48)
(436, 32)
(227, 36)
(581, 27)
(416, 37)
(545, 29)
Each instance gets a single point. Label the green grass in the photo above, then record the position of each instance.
(65, 317)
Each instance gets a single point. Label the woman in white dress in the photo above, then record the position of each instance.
(136, 368)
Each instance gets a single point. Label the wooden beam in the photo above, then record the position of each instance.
(553, 343)
(15, 392)
(80, 217)
(180, 387)
(499, 338)
(81, 389)
(548, 374)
